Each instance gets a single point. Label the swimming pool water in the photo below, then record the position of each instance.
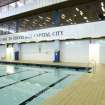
(31, 85)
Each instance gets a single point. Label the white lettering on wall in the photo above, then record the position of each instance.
(93, 30)
(33, 36)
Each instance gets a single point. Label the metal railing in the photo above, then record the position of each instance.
(92, 64)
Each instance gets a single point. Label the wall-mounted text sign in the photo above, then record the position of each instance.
(30, 36)
(93, 30)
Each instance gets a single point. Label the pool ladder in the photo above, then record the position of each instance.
(92, 64)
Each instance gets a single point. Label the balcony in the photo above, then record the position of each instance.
(22, 6)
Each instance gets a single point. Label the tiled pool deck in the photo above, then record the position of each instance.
(54, 64)
(89, 90)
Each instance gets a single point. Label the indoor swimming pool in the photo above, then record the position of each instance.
(31, 85)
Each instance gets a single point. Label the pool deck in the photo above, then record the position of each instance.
(49, 64)
(88, 90)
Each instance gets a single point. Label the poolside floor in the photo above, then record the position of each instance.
(89, 90)
(48, 63)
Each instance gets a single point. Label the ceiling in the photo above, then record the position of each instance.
(68, 3)
(5, 2)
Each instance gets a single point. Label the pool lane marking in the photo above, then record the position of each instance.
(43, 90)
(14, 73)
(22, 80)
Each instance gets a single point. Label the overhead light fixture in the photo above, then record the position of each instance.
(70, 19)
(103, 9)
(40, 25)
(85, 17)
(48, 18)
(44, 23)
(34, 22)
(63, 16)
(77, 9)
(40, 17)
(104, 14)
(75, 15)
(87, 21)
(67, 20)
(81, 13)
(102, 4)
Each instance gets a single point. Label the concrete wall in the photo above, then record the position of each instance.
(71, 51)
(37, 51)
(101, 54)
(75, 51)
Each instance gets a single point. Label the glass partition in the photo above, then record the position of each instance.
(84, 13)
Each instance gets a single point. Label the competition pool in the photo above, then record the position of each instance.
(31, 85)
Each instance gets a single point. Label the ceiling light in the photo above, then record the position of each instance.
(103, 9)
(85, 17)
(67, 20)
(104, 14)
(48, 18)
(75, 15)
(70, 19)
(34, 22)
(44, 23)
(87, 21)
(77, 9)
(102, 4)
(63, 16)
(40, 17)
(40, 25)
(81, 13)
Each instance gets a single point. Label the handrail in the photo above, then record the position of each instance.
(93, 64)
